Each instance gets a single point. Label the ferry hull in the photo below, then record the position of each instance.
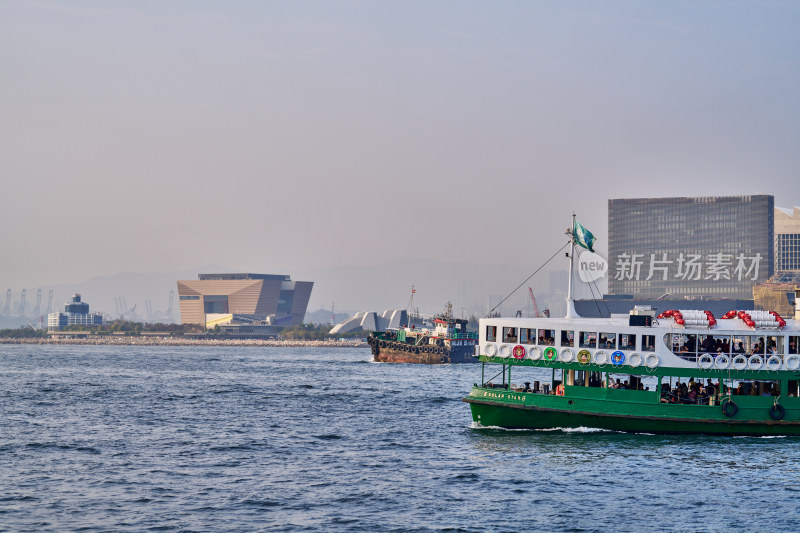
(508, 409)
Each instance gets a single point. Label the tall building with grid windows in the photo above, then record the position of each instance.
(704, 247)
(787, 240)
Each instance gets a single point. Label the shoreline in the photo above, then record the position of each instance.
(176, 341)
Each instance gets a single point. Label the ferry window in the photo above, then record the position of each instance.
(627, 341)
(757, 344)
(588, 339)
(527, 336)
(689, 343)
(774, 345)
(608, 341)
(715, 344)
(547, 337)
(491, 333)
(649, 343)
(567, 338)
(739, 344)
(509, 334)
(793, 343)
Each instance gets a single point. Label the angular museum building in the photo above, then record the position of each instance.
(273, 297)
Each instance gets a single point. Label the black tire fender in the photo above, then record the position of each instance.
(729, 408)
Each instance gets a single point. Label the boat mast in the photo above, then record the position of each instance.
(571, 312)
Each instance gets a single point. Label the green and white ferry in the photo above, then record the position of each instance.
(682, 371)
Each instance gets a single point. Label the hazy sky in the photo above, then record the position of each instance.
(286, 136)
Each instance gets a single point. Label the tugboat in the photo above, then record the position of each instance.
(684, 371)
(448, 342)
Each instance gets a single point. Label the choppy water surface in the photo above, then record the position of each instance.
(136, 438)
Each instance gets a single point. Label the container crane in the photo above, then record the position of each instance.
(38, 309)
(50, 302)
(169, 309)
(22, 303)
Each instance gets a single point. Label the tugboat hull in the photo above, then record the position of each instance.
(388, 351)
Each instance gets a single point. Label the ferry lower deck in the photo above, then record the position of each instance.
(536, 395)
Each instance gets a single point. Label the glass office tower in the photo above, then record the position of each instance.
(707, 247)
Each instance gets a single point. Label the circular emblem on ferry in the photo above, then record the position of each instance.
(584, 357)
(550, 353)
(617, 358)
(518, 352)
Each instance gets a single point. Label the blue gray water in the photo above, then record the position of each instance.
(242, 439)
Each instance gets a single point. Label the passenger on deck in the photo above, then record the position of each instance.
(738, 347)
(709, 344)
(792, 347)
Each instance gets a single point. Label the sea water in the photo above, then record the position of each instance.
(104, 438)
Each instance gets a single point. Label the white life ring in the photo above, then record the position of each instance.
(793, 362)
(567, 355)
(705, 361)
(722, 361)
(774, 363)
(739, 362)
(651, 360)
(756, 362)
(635, 360)
(490, 349)
(534, 353)
(600, 357)
(505, 350)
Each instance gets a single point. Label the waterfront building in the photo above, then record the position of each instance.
(787, 240)
(76, 313)
(678, 248)
(271, 298)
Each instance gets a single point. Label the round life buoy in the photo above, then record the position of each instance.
(567, 355)
(518, 352)
(705, 361)
(739, 362)
(777, 411)
(722, 361)
(774, 363)
(490, 349)
(600, 357)
(550, 353)
(382, 344)
(560, 390)
(617, 358)
(584, 357)
(729, 408)
(635, 360)
(534, 353)
(756, 362)
(793, 362)
(651, 361)
(505, 350)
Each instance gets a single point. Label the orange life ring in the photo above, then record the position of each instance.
(560, 390)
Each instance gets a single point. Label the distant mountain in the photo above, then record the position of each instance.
(472, 289)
